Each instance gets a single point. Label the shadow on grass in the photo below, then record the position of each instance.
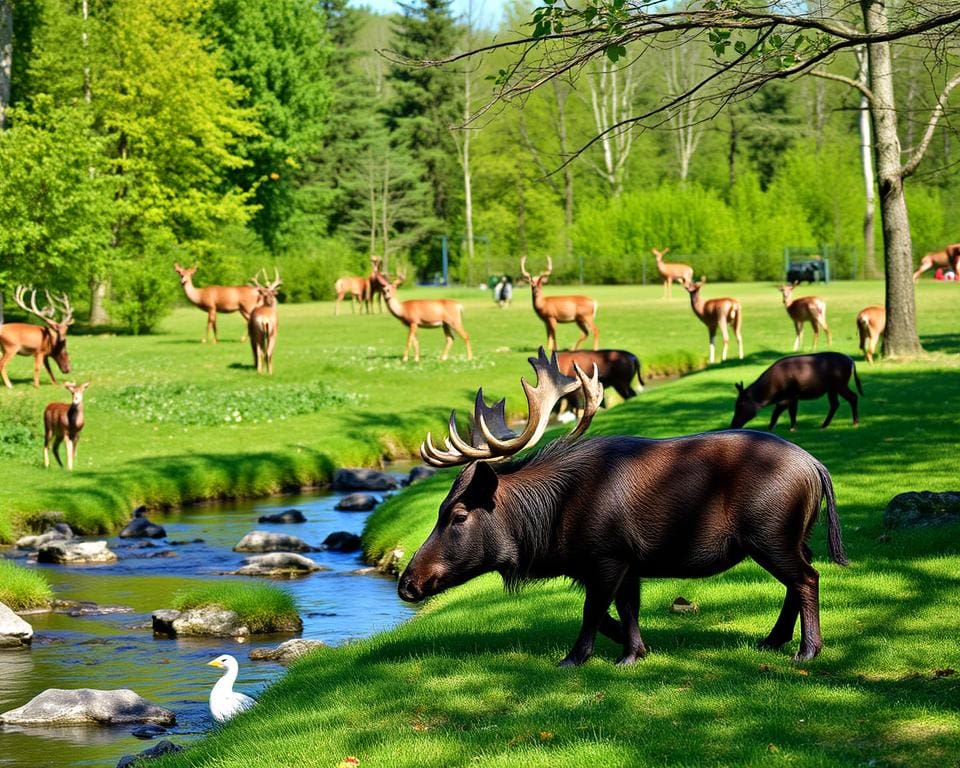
(946, 343)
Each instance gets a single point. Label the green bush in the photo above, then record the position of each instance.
(262, 607)
(23, 588)
(143, 290)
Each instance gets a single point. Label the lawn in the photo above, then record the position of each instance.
(472, 680)
(171, 420)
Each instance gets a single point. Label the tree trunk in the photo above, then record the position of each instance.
(467, 182)
(6, 57)
(98, 293)
(866, 157)
(900, 338)
(567, 173)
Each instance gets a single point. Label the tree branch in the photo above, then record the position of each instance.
(843, 79)
(911, 166)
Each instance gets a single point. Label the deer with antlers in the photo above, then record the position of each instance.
(871, 323)
(62, 422)
(948, 258)
(682, 273)
(425, 313)
(607, 512)
(263, 322)
(217, 298)
(805, 309)
(581, 310)
(42, 342)
(717, 313)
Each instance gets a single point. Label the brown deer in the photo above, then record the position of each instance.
(358, 288)
(682, 273)
(263, 322)
(62, 422)
(217, 298)
(376, 289)
(805, 309)
(717, 313)
(871, 322)
(43, 342)
(948, 258)
(561, 309)
(425, 313)
(609, 511)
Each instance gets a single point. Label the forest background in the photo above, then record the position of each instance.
(245, 133)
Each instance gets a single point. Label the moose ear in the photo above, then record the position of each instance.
(482, 486)
(739, 386)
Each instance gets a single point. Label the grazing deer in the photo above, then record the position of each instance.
(871, 323)
(561, 309)
(359, 290)
(805, 309)
(62, 422)
(948, 258)
(607, 512)
(43, 342)
(426, 313)
(716, 313)
(800, 377)
(263, 322)
(682, 273)
(217, 298)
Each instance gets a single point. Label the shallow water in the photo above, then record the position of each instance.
(119, 650)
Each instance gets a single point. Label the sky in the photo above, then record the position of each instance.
(490, 10)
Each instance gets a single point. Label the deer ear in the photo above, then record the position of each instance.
(739, 387)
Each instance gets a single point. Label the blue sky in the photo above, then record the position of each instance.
(490, 10)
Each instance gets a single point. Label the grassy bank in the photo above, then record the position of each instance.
(170, 419)
(472, 680)
(22, 589)
(261, 607)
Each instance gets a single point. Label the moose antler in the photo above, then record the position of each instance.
(491, 438)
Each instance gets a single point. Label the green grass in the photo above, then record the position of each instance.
(472, 680)
(23, 588)
(261, 607)
(171, 420)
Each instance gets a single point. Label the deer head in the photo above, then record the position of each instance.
(268, 292)
(77, 391)
(540, 279)
(659, 254)
(57, 328)
(186, 273)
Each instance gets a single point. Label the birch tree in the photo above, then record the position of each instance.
(6, 57)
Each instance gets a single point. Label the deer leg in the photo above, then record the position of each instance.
(816, 333)
(834, 404)
(46, 364)
(777, 410)
(848, 394)
(7, 356)
(596, 605)
(449, 343)
(826, 328)
(551, 335)
(70, 452)
(47, 434)
(713, 335)
(725, 335)
(271, 344)
(793, 414)
(798, 339)
(466, 340)
(628, 606)
(254, 349)
(585, 329)
(56, 449)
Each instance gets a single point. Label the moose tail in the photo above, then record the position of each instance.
(834, 539)
(856, 378)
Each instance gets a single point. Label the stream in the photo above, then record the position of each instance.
(119, 650)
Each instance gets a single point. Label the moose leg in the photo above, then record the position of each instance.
(810, 639)
(628, 606)
(847, 394)
(834, 404)
(595, 606)
(777, 410)
(612, 628)
(793, 414)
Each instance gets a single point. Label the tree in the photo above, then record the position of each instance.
(755, 44)
(6, 57)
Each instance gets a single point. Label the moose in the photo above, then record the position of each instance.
(263, 322)
(62, 422)
(217, 298)
(607, 512)
(717, 313)
(43, 342)
(805, 309)
(616, 368)
(948, 258)
(682, 273)
(795, 378)
(428, 313)
(871, 323)
(561, 309)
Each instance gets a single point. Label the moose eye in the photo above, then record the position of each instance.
(458, 518)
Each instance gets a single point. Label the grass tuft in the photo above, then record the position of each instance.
(262, 607)
(22, 588)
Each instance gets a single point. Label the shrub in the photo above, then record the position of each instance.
(262, 607)
(22, 588)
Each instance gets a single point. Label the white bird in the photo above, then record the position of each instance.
(224, 701)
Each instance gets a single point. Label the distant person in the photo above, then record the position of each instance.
(498, 290)
(506, 292)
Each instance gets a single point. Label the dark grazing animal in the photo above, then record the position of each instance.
(800, 377)
(616, 367)
(609, 511)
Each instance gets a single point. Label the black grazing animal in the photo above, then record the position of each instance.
(609, 511)
(617, 369)
(800, 377)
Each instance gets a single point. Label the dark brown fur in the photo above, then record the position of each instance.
(617, 369)
(795, 378)
(610, 511)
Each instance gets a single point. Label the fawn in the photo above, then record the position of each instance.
(63, 422)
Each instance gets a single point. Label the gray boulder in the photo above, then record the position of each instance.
(357, 502)
(265, 541)
(287, 652)
(141, 528)
(160, 748)
(75, 552)
(341, 541)
(287, 516)
(420, 472)
(14, 631)
(208, 621)
(276, 564)
(148, 731)
(57, 706)
(919, 509)
(361, 479)
(57, 532)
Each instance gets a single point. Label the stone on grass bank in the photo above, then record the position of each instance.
(275, 564)
(357, 502)
(58, 706)
(362, 479)
(919, 509)
(14, 631)
(75, 553)
(207, 621)
(287, 516)
(265, 541)
(287, 651)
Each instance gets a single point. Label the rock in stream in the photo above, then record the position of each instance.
(14, 631)
(58, 706)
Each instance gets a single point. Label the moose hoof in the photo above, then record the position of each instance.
(805, 654)
(573, 660)
(630, 658)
